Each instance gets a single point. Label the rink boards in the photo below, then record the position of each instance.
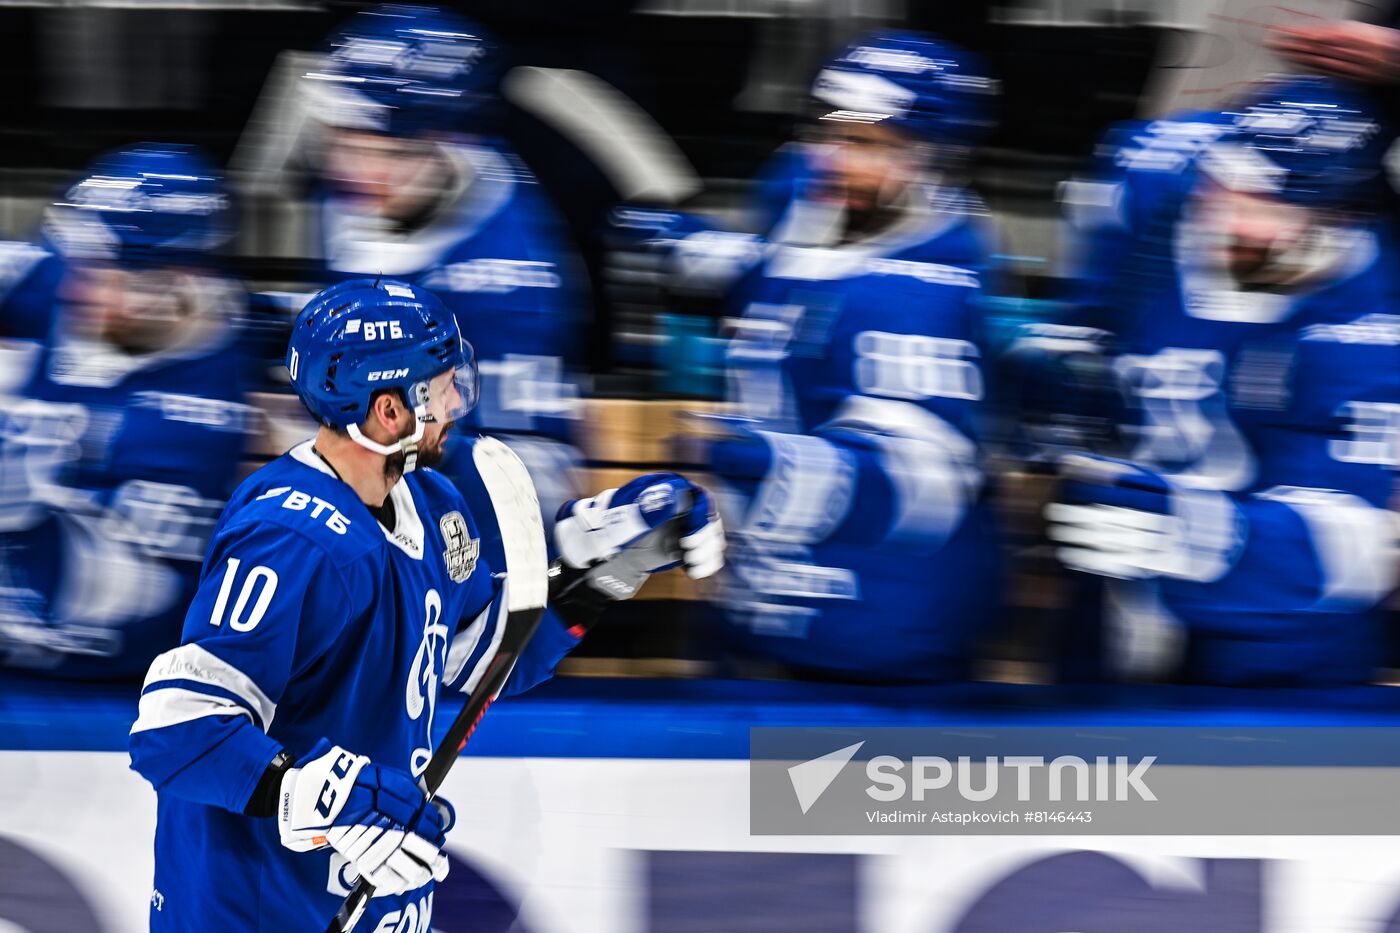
(622, 807)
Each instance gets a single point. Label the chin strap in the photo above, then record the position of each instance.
(408, 446)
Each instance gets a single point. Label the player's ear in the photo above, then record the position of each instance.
(387, 415)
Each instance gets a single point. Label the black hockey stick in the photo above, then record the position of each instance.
(527, 587)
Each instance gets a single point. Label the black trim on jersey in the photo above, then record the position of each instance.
(572, 599)
(263, 802)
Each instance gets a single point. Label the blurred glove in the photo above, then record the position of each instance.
(676, 251)
(377, 817)
(653, 523)
(712, 260)
(1116, 519)
(39, 449)
(639, 244)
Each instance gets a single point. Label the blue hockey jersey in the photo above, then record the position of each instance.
(311, 620)
(859, 541)
(1281, 411)
(113, 467)
(30, 274)
(494, 255)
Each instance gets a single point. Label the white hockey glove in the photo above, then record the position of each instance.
(1117, 519)
(653, 523)
(377, 817)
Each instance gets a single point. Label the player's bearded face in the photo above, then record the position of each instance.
(382, 175)
(431, 450)
(444, 401)
(433, 446)
(1253, 232)
(136, 311)
(863, 165)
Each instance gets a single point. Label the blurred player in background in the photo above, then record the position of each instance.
(863, 548)
(345, 583)
(416, 188)
(1242, 293)
(124, 423)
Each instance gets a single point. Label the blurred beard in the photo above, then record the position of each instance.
(428, 457)
(1310, 258)
(1251, 265)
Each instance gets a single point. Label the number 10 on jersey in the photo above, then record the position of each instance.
(258, 586)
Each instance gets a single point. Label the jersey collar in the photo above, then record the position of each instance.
(407, 535)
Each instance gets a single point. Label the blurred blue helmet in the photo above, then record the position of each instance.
(404, 71)
(150, 204)
(357, 337)
(1306, 140)
(926, 87)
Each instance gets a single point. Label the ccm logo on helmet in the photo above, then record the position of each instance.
(382, 374)
(375, 330)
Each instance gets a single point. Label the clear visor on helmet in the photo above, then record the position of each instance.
(452, 394)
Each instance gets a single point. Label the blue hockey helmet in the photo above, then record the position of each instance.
(924, 86)
(150, 204)
(1306, 140)
(360, 336)
(404, 71)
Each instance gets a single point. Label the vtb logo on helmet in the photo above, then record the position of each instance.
(336, 371)
(403, 71)
(151, 204)
(915, 83)
(1306, 140)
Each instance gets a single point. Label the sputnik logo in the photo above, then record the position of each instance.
(810, 779)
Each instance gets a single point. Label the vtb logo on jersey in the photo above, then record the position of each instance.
(462, 548)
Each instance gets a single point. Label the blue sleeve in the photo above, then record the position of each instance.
(478, 638)
(1317, 534)
(886, 471)
(551, 644)
(257, 620)
(29, 280)
(482, 615)
(872, 415)
(192, 433)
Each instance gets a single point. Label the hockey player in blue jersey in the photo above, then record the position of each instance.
(344, 586)
(862, 545)
(124, 422)
(1244, 292)
(415, 187)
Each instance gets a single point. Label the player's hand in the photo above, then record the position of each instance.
(653, 523)
(377, 817)
(1117, 519)
(1351, 50)
(676, 251)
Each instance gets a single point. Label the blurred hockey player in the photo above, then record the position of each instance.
(124, 422)
(344, 586)
(863, 548)
(416, 188)
(1244, 294)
